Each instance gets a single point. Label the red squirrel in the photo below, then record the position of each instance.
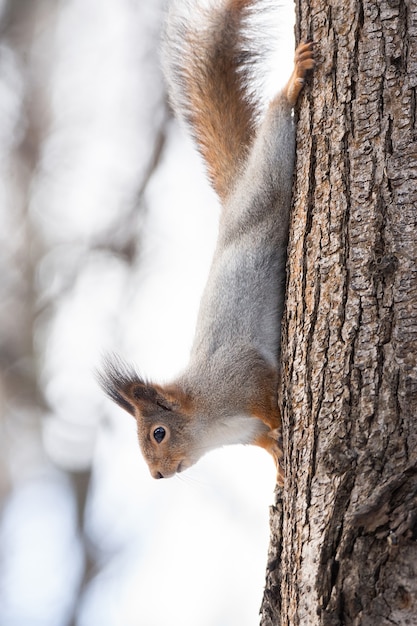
(228, 392)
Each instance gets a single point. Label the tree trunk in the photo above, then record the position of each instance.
(343, 546)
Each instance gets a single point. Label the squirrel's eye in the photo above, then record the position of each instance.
(159, 434)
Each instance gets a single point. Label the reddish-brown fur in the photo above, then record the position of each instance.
(222, 114)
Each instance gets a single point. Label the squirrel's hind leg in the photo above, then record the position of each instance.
(303, 61)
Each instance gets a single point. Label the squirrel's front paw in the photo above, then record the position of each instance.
(276, 452)
(272, 443)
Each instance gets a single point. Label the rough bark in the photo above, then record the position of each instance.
(344, 548)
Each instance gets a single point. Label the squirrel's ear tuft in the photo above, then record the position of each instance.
(120, 381)
(123, 385)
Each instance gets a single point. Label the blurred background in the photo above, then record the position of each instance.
(107, 227)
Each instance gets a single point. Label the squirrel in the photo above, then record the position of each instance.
(228, 393)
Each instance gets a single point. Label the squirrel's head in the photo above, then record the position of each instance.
(166, 429)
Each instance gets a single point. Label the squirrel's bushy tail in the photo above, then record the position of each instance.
(210, 59)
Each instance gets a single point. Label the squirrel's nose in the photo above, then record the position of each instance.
(158, 475)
